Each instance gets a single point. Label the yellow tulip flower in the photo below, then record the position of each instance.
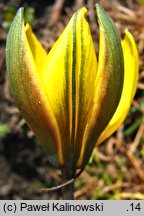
(70, 101)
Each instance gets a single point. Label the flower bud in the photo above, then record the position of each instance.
(65, 96)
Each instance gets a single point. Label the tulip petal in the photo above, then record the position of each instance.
(27, 88)
(108, 84)
(38, 52)
(69, 78)
(130, 84)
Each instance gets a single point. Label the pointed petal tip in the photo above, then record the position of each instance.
(97, 6)
(82, 11)
(27, 27)
(99, 9)
(18, 19)
(20, 12)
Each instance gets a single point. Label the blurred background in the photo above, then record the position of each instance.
(116, 168)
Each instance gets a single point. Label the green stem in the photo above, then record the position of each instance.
(68, 190)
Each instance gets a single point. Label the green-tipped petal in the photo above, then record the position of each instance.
(69, 76)
(108, 84)
(129, 88)
(27, 88)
